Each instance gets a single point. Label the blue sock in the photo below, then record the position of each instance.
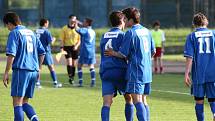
(18, 113)
(141, 111)
(129, 112)
(54, 76)
(147, 113)
(29, 111)
(80, 75)
(212, 105)
(93, 76)
(105, 112)
(199, 112)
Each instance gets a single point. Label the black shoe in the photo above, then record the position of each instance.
(71, 81)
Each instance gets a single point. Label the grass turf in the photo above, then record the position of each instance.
(169, 100)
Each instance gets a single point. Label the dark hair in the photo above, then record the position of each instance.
(43, 21)
(71, 15)
(11, 17)
(132, 13)
(89, 21)
(156, 23)
(200, 19)
(115, 18)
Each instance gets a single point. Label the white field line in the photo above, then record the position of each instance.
(173, 92)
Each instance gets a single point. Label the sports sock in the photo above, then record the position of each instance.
(73, 71)
(155, 69)
(80, 74)
(147, 113)
(129, 112)
(18, 113)
(212, 105)
(199, 112)
(141, 111)
(69, 70)
(161, 69)
(93, 75)
(54, 76)
(105, 112)
(29, 111)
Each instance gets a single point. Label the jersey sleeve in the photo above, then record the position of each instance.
(12, 44)
(126, 44)
(49, 37)
(153, 49)
(81, 31)
(40, 48)
(189, 47)
(163, 36)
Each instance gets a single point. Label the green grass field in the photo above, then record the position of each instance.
(169, 100)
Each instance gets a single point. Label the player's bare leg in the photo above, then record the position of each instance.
(155, 65)
(105, 111)
(199, 108)
(93, 75)
(140, 108)
(54, 76)
(146, 107)
(80, 74)
(160, 65)
(18, 109)
(129, 107)
(29, 110)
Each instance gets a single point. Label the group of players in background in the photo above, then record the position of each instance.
(125, 61)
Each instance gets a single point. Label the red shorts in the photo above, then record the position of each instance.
(158, 52)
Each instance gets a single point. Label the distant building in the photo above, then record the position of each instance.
(171, 13)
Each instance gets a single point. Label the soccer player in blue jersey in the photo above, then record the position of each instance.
(23, 49)
(113, 69)
(200, 57)
(46, 39)
(87, 51)
(138, 48)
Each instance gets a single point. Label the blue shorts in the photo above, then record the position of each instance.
(202, 90)
(48, 60)
(86, 60)
(113, 80)
(23, 83)
(138, 88)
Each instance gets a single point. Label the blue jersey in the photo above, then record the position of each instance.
(200, 47)
(88, 37)
(45, 38)
(112, 39)
(23, 44)
(138, 47)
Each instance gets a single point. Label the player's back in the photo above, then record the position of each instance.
(138, 48)
(45, 37)
(25, 47)
(88, 37)
(200, 46)
(112, 39)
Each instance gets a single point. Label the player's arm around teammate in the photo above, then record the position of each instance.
(138, 48)
(22, 52)
(87, 53)
(199, 53)
(70, 41)
(113, 70)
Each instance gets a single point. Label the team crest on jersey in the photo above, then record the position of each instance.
(111, 35)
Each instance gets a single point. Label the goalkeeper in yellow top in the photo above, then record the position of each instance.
(159, 38)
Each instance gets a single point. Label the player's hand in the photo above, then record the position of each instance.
(187, 80)
(75, 48)
(109, 52)
(6, 79)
